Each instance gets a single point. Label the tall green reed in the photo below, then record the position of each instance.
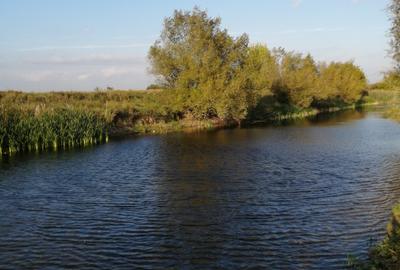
(60, 128)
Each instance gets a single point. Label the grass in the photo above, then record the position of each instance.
(389, 98)
(58, 120)
(385, 97)
(385, 255)
(27, 130)
(38, 121)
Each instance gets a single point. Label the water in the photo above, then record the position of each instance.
(301, 196)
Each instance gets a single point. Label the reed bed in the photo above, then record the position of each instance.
(61, 128)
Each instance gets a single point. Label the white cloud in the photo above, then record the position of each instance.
(311, 30)
(116, 71)
(37, 76)
(94, 59)
(83, 77)
(296, 3)
(85, 47)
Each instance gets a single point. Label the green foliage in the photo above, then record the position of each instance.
(385, 255)
(194, 53)
(297, 81)
(25, 130)
(383, 96)
(261, 71)
(154, 86)
(223, 77)
(205, 76)
(390, 81)
(393, 113)
(342, 81)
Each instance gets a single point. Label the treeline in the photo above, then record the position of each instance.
(225, 77)
(391, 81)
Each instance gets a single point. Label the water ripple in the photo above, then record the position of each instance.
(302, 196)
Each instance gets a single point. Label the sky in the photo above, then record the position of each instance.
(48, 45)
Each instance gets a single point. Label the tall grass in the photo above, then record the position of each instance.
(26, 130)
(386, 254)
(58, 120)
(37, 121)
(385, 97)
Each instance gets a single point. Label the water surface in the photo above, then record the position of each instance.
(300, 196)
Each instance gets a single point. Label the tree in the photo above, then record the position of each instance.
(261, 70)
(391, 80)
(154, 86)
(298, 79)
(343, 81)
(394, 11)
(194, 53)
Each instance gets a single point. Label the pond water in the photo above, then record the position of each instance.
(297, 196)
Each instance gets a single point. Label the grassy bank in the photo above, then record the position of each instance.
(58, 120)
(284, 112)
(384, 96)
(389, 98)
(210, 79)
(385, 255)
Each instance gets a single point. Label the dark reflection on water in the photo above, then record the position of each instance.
(298, 196)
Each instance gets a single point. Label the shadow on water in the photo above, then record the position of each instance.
(329, 118)
(16, 159)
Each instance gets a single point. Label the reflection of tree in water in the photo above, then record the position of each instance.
(289, 195)
(327, 119)
(322, 119)
(200, 192)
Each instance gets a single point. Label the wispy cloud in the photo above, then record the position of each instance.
(116, 71)
(296, 3)
(311, 30)
(41, 75)
(84, 47)
(95, 59)
(82, 77)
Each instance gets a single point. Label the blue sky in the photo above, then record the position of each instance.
(81, 44)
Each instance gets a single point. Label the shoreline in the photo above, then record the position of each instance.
(191, 125)
(126, 127)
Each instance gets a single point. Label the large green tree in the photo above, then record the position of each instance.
(343, 81)
(254, 82)
(194, 53)
(298, 79)
(261, 70)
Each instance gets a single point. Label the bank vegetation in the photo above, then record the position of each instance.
(205, 78)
